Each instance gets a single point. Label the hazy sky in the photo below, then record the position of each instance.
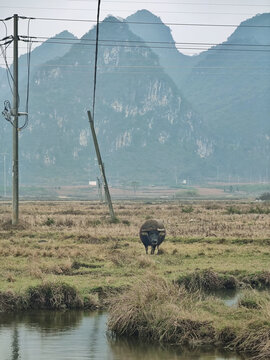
(170, 11)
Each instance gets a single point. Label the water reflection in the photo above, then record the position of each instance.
(45, 321)
(134, 350)
(230, 297)
(15, 344)
(80, 335)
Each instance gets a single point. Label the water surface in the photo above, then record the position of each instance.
(78, 335)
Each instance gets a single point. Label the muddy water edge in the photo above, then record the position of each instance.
(83, 335)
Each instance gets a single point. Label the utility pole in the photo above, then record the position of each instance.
(15, 165)
(99, 190)
(101, 166)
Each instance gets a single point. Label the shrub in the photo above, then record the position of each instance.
(233, 210)
(187, 209)
(265, 196)
(93, 223)
(258, 210)
(54, 296)
(126, 222)
(49, 221)
(114, 221)
(9, 301)
(187, 193)
(207, 280)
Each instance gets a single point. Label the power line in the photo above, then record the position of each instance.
(143, 41)
(29, 45)
(133, 2)
(4, 54)
(96, 58)
(156, 66)
(147, 23)
(8, 72)
(6, 19)
(146, 46)
(171, 3)
(126, 11)
(78, 68)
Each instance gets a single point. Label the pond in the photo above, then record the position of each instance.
(78, 335)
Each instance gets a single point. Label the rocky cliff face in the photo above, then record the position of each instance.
(230, 87)
(146, 129)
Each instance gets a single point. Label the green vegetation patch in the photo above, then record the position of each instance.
(208, 280)
(49, 296)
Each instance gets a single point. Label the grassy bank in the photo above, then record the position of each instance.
(158, 311)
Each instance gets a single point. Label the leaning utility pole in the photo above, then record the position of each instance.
(101, 166)
(15, 166)
(99, 190)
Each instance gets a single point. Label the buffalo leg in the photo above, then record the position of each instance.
(146, 249)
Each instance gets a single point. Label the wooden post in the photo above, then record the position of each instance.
(101, 166)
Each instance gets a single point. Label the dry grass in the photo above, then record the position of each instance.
(156, 310)
(53, 236)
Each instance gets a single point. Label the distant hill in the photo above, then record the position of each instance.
(230, 87)
(55, 47)
(158, 37)
(146, 129)
(155, 122)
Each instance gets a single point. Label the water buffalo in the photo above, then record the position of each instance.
(152, 233)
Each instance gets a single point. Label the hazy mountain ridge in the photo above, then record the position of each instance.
(230, 88)
(145, 127)
(159, 38)
(48, 50)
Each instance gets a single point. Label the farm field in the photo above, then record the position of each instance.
(75, 242)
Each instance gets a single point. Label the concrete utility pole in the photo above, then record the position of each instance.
(15, 166)
(99, 185)
(101, 166)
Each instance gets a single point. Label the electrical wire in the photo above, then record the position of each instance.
(128, 11)
(148, 47)
(4, 54)
(8, 72)
(171, 3)
(96, 59)
(143, 41)
(154, 67)
(7, 113)
(29, 45)
(150, 23)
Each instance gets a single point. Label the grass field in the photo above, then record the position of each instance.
(75, 242)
